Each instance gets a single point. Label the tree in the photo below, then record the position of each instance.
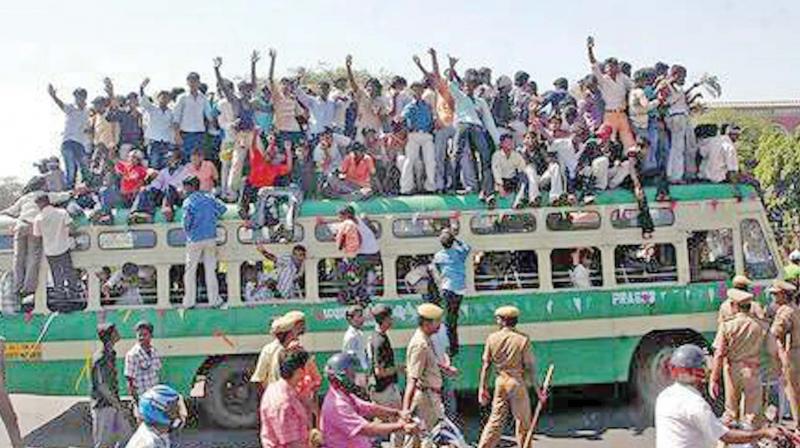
(10, 189)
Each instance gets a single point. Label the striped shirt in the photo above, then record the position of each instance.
(142, 367)
(288, 271)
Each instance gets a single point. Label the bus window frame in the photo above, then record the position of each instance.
(615, 223)
(220, 242)
(604, 283)
(372, 223)
(676, 249)
(250, 242)
(550, 228)
(495, 215)
(128, 231)
(451, 221)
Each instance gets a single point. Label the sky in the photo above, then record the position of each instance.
(750, 45)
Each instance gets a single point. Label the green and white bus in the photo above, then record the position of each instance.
(645, 296)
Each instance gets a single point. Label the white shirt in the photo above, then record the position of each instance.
(144, 437)
(614, 91)
(52, 224)
(507, 166)
(685, 420)
(26, 210)
(75, 124)
(158, 122)
(677, 101)
(719, 157)
(580, 277)
(130, 294)
(341, 112)
(355, 341)
(336, 151)
(369, 244)
(639, 107)
(323, 112)
(191, 112)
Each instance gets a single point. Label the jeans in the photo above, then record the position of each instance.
(264, 215)
(207, 251)
(74, 157)
(157, 154)
(192, 141)
(150, 198)
(444, 169)
(477, 140)
(66, 283)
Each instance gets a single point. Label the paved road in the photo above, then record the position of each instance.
(572, 420)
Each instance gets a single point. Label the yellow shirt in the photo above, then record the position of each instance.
(105, 132)
(268, 365)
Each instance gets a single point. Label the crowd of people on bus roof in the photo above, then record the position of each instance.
(275, 142)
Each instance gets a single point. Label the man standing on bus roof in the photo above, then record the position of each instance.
(786, 328)
(510, 351)
(110, 427)
(423, 376)
(737, 358)
(740, 283)
(201, 211)
(450, 272)
(54, 225)
(142, 363)
(267, 366)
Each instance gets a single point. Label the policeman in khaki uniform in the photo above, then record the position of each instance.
(741, 283)
(786, 329)
(423, 393)
(268, 366)
(737, 359)
(511, 354)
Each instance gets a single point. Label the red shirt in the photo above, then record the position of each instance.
(263, 173)
(133, 177)
(358, 172)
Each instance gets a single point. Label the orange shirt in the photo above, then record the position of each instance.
(444, 103)
(207, 173)
(360, 172)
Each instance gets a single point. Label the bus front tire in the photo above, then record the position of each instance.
(231, 400)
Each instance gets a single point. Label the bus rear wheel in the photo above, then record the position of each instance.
(231, 400)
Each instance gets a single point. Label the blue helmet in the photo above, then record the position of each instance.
(159, 406)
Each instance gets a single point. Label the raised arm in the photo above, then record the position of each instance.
(452, 61)
(52, 92)
(224, 87)
(434, 62)
(254, 58)
(418, 63)
(590, 50)
(109, 89)
(348, 64)
(272, 55)
(143, 86)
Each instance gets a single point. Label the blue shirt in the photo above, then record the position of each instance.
(451, 265)
(418, 116)
(200, 214)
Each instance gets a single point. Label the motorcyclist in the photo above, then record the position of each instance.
(162, 411)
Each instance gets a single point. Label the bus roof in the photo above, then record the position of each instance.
(471, 202)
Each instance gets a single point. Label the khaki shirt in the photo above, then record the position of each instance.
(268, 365)
(421, 364)
(726, 311)
(740, 339)
(510, 353)
(787, 322)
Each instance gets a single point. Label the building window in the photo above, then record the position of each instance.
(128, 285)
(645, 263)
(629, 218)
(176, 286)
(413, 274)
(420, 227)
(573, 220)
(506, 270)
(711, 255)
(759, 264)
(130, 239)
(349, 281)
(177, 237)
(325, 231)
(245, 235)
(577, 267)
(499, 223)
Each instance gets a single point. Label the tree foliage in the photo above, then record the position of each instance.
(10, 189)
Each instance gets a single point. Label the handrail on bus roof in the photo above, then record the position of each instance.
(471, 202)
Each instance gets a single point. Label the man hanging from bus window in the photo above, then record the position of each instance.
(449, 270)
(164, 190)
(124, 285)
(53, 225)
(290, 270)
(512, 176)
(737, 358)
(355, 341)
(384, 383)
(511, 354)
(201, 212)
(740, 284)
(110, 427)
(368, 258)
(142, 363)
(683, 417)
(786, 328)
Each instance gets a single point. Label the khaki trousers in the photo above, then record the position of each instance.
(509, 394)
(743, 394)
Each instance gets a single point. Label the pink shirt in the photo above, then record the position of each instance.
(207, 173)
(348, 238)
(342, 418)
(284, 419)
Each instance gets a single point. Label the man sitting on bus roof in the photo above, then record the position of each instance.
(165, 189)
(512, 176)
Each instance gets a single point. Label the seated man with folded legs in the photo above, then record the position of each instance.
(512, 175)
(165, 190)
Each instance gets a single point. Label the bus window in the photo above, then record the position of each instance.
(176, 289)
(58, 299)
(245, 235)
(413, 275)
(711, 255)
(419, 227)
(495, 223)
(129, 284)
(260, 280)
(574, 220)
(325, 231)
(130, 239)
(576, 267)
(629, 218)
(6, 243)
(82, 241)
(645, 263)
(346, 281)
(759, 263)
(177, 237)
(506, 270)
